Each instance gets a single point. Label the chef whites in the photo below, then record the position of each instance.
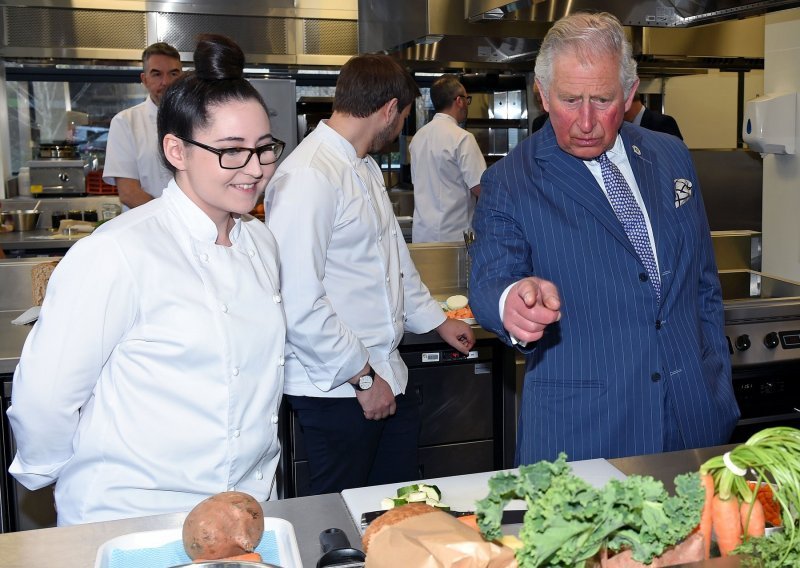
(91, 362)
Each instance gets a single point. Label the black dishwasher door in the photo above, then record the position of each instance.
(457, 396)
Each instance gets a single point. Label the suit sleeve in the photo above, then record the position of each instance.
(501, 254)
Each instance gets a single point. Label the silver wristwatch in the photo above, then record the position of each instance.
(365, 381)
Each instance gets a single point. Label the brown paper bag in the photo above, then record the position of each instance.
(435, 540)
(690, 550)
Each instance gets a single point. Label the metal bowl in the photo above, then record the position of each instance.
(21, 220)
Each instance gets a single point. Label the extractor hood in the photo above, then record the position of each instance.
(438, 31)
(651, 13)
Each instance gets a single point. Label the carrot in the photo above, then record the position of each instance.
(470, 520)
(772, 509)
(752, 517)
(705, 516)
(246, 557)
(727, 523)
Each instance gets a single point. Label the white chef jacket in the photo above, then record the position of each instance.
(132, 149)
(153, 376)
(349, 285)
(446, 163)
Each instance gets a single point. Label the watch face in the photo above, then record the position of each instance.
(365, 382)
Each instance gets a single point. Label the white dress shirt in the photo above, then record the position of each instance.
(153, 376)
(132, 149)
(349, 285)
(446, 163)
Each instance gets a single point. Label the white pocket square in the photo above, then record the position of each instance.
(683, 191)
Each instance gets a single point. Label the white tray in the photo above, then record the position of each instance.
(288, 552)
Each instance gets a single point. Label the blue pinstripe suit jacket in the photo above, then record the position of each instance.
(619, 369)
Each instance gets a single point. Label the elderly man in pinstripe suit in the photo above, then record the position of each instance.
(593, 255)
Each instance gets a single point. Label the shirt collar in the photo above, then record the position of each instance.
(199, 225)
(343, 143)
(445, 116)
(151, 106)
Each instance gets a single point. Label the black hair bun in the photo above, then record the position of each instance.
(218, 57)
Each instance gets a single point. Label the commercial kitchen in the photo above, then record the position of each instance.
(718, 67)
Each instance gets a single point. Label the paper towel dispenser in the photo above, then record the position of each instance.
(769, 122)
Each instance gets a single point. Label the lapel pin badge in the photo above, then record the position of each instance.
(636, 150)
(683, 191)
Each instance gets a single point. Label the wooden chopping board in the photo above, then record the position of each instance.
(461, 492)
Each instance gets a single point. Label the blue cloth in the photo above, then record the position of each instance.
(622, 369)
(630, 215)
(173, 554)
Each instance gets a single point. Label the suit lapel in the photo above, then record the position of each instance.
(571, 176)
(644, 163)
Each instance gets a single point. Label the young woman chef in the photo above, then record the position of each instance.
(154, 374)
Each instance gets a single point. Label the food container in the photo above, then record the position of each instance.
(21, 220)
(226, 564)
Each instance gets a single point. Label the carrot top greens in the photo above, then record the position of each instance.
(568, 521)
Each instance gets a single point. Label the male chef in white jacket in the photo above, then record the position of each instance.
(350, 289)
(132, 161)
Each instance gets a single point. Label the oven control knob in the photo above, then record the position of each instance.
(743, 342)
(771, 340)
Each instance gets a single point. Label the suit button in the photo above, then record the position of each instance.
(655, 377)
(658, 324)
(643, 276)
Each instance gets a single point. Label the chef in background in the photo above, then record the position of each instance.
(351, 288)
(132, 160)
(446, 167)
(153, 377)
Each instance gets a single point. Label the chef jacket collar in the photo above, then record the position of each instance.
(343, 143)
(199, 225)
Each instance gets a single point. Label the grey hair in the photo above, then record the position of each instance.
(587, 36)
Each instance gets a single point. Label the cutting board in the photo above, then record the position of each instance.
(461, 492)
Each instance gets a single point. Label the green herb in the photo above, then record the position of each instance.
(568, 521)
(777, 550)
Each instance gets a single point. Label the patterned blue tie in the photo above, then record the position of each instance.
(630, 215)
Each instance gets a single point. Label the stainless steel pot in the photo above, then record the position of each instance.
(21, 220)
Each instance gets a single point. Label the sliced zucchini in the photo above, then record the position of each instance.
(416, 497)
(403, 491)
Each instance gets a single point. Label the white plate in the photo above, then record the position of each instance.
(288, 552)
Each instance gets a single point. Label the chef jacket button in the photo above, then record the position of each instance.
(274, 418)
(236, 433)
(224, 308)
(281, 361)
(276, 298)
(643, 276)
(251, 252)
(380, 238)
(402, 275)
(235, 371)
(259, 475)
(658, 324)
(387, 278)
(394, 233)
(655, 377)
(204, 257)
(394, 320)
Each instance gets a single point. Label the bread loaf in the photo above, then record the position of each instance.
(40, 274)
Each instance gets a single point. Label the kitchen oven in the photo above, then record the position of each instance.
(762, 324)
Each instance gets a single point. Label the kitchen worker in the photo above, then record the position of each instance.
(153, 377)
(642, 116)
(350, 288)
(593, 255)
(132, 161)
(446, 167)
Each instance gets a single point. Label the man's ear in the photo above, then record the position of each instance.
(391, 110)
(141, 77)
(175, 151)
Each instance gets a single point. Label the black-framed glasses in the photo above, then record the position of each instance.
(467, 97)
(235, 158)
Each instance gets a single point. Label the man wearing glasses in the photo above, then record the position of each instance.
(446, 167)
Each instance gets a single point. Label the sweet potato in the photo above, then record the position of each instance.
(225, 524)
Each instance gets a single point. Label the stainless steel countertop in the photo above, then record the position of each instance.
(35, 240)
(12, 338)
(77, 545)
